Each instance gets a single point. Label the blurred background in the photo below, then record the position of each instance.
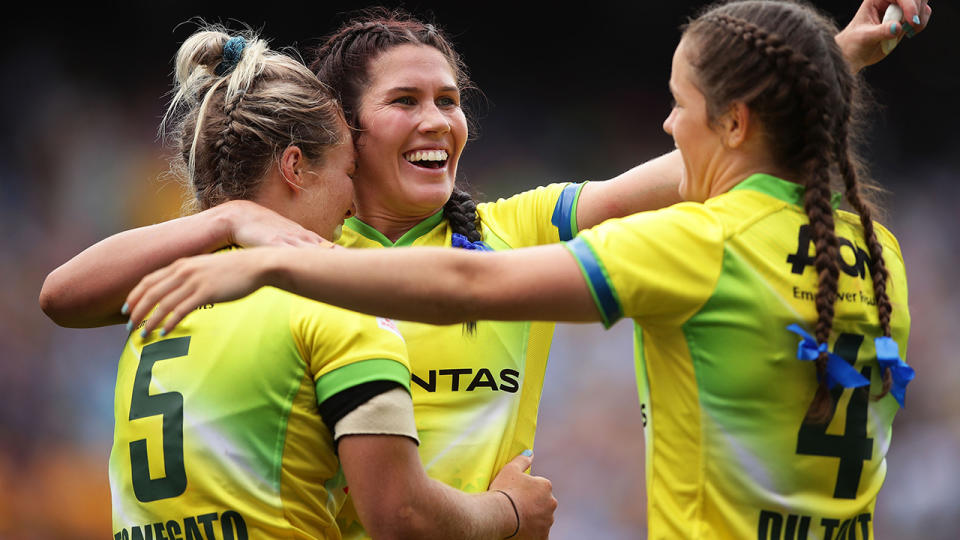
(571, 94)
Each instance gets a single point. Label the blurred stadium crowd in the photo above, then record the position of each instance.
(80, 161)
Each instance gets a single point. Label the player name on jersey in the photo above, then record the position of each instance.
(777, 526)
(228, 525)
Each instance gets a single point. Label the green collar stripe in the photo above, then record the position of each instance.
(408, 237)
(788, 192)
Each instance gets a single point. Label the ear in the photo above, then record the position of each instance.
(735, 125)
(291, 162)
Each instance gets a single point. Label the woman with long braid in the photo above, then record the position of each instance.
(749, 435)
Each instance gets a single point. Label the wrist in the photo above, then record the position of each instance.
(221, 223)
(847, 48)
(511, 509)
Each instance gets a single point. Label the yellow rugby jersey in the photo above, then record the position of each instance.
(712, 288)
(475, 397)
(217, 428)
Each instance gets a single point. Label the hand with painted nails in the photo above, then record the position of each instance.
(179, 288)
(531, 497)
(862, 41)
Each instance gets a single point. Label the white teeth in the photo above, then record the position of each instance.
(426, 155)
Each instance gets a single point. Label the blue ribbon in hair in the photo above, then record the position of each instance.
(232, 51)
(838, 370)
(460, 241)
(888, 356)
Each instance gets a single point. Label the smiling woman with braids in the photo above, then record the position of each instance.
(748, 434)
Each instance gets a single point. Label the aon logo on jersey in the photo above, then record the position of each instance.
(853, 259)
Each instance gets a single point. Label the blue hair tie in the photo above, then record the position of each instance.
(838, 370)
(888, 356)
(458, 240)
(232, 51)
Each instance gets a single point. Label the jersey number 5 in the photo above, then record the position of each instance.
(853, 447)
(168, 404)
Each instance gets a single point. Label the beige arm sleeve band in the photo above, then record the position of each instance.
(389, 413)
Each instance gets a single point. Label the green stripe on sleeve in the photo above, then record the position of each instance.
(375, 369)
(597, 280)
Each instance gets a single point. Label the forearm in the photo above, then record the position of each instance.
(389, 284)
(89, 289)
(437, 285)
(441, 512)
(649, 186)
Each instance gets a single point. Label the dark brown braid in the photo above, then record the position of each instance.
(849, 167)
(461, 212)
(781, 60)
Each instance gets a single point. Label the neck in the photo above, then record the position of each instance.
(728, 175)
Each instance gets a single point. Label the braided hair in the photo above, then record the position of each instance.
(236, 106)
(781, 60)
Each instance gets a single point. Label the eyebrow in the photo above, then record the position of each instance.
(411, 89)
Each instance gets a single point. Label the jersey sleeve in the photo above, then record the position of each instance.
(656, 267)
(344, 349)
(544, 215)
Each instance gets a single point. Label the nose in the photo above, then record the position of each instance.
(668, 122)
(433, 120)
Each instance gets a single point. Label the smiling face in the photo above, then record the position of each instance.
(412, 133)
(700, 145)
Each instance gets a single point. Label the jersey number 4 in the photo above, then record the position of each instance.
(169, 405)
(853, 447)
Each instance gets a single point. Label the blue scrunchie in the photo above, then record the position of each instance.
(838, 370)
(888, 356)
(460, 241)
(232, 51)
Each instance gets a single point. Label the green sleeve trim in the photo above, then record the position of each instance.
(375, 369)
(598, 281)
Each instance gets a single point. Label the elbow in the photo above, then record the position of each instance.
(403, 521)
(52, 301)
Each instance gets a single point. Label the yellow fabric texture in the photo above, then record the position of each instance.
(238, 381)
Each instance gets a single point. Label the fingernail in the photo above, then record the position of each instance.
(124, 309)
(163, 332)
(143, 333)
(528, 453)
(129, 325)
(893, 31)
(916, 19)
(909, 31)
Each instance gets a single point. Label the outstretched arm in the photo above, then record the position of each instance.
(654, 184)
(434, 285)
(396, 499)
(89, 289)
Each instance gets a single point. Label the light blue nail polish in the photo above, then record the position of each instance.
(893, 31)
(143, 333)
(125, 309)
(129, 325)
(916, 19)
(163, 332)
(528, 453)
